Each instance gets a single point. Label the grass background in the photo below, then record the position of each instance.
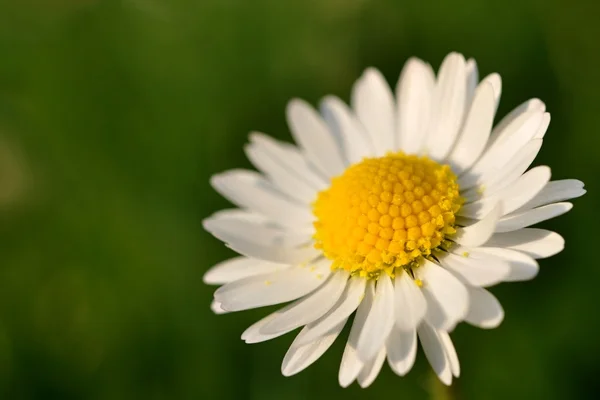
(113, 116)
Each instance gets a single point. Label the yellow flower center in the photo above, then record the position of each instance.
(385, 213)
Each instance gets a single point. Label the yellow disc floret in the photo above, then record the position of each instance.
(387, 212)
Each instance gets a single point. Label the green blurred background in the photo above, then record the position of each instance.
(113, 116)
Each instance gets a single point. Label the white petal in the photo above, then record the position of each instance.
(537, 243)
(499, 152)
(524, 108)
(524, 189)
(496, 81)
(371, 369)
(472, 74)
(356, 143)
(373, 103)
(541, 132)
(312, 134)
(346, 305)
(250, 190)
(522, 266)
(450, 352)
(215, 306)
(351, 364)
(448, 106)
(380, 321)
(522, 219)
(254, 334)
(311, 307)
(518, 132)
(556, 191)
(272, 288)
(401, 350)
(414, 96)
(447, 298)
(275, 254)
(290, 158)
(476, 269)
(476, 130)
(435, 353)
(497, 179)
(410, 304)
(480, 208)
(238, 268)
(239, 214)
(478, 233)
(227, 225)
(264, 243)
(485, 310)
(287, 180)
(300, 357)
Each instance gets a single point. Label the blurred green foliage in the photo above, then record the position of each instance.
(113, 116)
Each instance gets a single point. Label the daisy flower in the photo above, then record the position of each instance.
(399, 210)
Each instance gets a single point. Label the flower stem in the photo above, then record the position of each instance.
(439, 391)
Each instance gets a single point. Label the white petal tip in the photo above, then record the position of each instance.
(492, 324)
(219, 299)
(207, 224)
(255, 136)
(455, 55)
(215, 306)
(414, 62)
(346, 380)
(496, 81)
(557, 247)
(344, 384)
(537, 104)
(208, 279)
(295, 109)
(294, 103)
(446, 379)
(215, 181)
(371, 72)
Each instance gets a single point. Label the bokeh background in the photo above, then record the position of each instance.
(113, 116)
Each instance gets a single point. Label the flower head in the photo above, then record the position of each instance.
(398, 210)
